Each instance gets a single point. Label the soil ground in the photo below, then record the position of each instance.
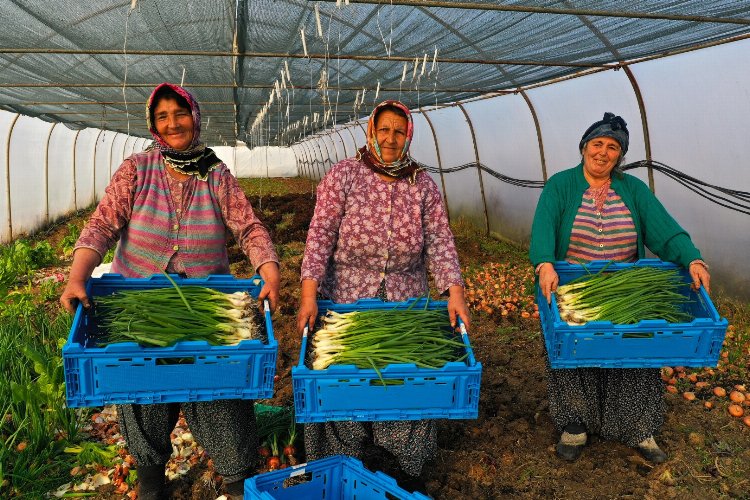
(508, 452)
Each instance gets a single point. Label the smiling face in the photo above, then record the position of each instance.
(390, 132)
(173, 123)
(600, 156)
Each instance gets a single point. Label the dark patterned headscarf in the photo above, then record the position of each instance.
(404, 166)
(197, 159)
(609, 126)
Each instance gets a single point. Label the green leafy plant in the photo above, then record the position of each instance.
(68, 242)
(18, 259)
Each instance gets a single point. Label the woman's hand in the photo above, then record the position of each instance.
(270, 274)
(75, 292)
(84, 262)
(699, 273)
(457, 306)
(548, 280)
(308, 305)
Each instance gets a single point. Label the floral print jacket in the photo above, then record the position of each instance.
(366, 230)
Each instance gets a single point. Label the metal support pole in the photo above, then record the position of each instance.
(111, 148)
(343, 144)
(96, 142)
(322, 139)
(354, 140)
(312, 166)
(479, 169)
(322, 163)
(440, 162)
(538, 132)
(75, 183)
(644, 124)
(296, 161)
(46, 174)
(7, 176)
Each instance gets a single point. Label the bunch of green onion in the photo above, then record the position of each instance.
(377, 338)
(624, 297)
(161, 317)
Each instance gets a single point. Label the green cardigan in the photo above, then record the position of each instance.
(559, 203)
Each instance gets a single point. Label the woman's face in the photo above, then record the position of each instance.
(600, 156)
(174, 123)
(390, 132)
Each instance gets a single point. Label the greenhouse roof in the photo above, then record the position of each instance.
(272, 71)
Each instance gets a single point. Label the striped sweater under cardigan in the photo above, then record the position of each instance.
(154, 233)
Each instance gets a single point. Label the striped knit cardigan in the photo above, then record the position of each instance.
(154, 234)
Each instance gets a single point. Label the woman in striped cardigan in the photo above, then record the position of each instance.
(169, 208)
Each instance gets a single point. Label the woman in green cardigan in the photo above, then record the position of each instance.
(595, 212)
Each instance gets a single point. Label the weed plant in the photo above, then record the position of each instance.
(36, 426)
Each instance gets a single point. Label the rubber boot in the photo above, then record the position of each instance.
(151, 482)
(571, 443)
(651, 451)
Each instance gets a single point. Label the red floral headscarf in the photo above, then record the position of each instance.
(404, 166)
(197, 159)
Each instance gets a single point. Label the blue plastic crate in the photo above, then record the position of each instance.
(187, 371)
(345, 392)
(333, 478)
(647, 344)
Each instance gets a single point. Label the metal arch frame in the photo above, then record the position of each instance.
(644, 124)
(75, 182)
(479, 170)
(306, 160)
(440, 162)
(311, 162)
(633, 83)
(96, 142)
(303, 160)
(46, 173)
(538, 128)
(354, 139)
(343, 144)
(333, 145)
(7, 174)
(124, 145)
(301, 167)
(296, 163)
(111, 149)
(322, 139)
(364, 130)
(320, 162)
(453, 4)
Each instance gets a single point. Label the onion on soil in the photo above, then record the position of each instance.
(735, 410)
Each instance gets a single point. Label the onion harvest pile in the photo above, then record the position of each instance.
(161, 317)
(377, 338)
(624, 297)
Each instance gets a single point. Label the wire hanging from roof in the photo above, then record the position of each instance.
(715, 194)
(133, 4)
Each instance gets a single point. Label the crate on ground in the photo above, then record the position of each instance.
(187, 371)
(345, 392)
(333, 478)
(646, 344)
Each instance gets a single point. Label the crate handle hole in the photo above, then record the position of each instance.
(176, 361)
(387, 381)
(296, 479)
(638, 335)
